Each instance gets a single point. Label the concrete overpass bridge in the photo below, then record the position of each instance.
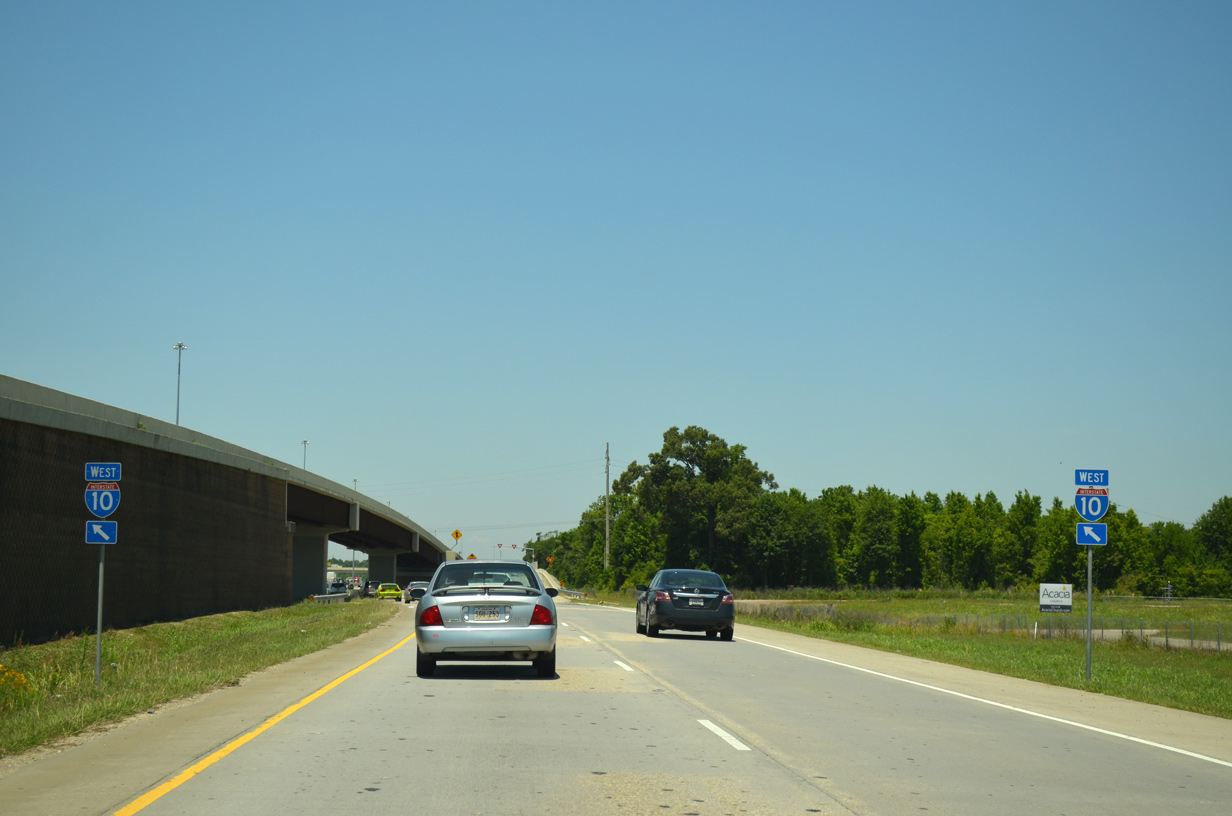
(202, 525)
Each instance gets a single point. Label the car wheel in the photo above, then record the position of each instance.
(710, 633)
(651, 631)
(424, 665)
(729, 633)
(546, 664)
(639, 627)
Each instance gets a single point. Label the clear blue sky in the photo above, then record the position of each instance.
(461, 246)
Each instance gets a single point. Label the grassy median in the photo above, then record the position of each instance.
(48, 691)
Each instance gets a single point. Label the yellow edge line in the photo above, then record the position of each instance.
(188, 773)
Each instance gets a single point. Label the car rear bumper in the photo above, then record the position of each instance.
(666, 616)
(486, 643)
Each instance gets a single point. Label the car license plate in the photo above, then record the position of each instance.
(485, 613)
(696, 602)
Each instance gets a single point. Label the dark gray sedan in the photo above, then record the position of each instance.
(685, 599)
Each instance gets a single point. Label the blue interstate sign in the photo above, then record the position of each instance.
(1091, 502)
(102, 471)
(102, 498)
(1095, 478)
(102, 532)
(1091, 535)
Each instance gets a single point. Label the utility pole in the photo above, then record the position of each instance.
(305, 444)
(607, 505)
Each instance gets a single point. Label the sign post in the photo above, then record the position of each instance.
(1091, 501)
(102, 499)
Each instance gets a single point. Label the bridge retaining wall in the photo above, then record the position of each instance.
(194, 536)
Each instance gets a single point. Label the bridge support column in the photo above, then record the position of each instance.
(309, 559)
(383, 566)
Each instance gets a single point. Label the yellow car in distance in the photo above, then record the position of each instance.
(389, 591)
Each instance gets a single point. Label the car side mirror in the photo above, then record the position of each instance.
(418, 592)
(552, 592)
(642, 588)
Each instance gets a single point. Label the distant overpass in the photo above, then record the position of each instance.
(203, 526)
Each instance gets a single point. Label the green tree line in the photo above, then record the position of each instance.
(700, 502)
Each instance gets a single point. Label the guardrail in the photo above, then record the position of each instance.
(574, 593)
(338, 597)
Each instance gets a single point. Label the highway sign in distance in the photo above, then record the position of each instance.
(457, 534)
(102, 498)
(1091, 502)
(1091, 535)
(102, 532)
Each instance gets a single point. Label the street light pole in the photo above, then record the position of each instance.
(607, 506)
(305, 444)
(178, 348)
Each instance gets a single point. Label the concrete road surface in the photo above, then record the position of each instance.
(769, 724)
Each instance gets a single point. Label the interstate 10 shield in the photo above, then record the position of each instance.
(1091, 502)
(102, 498)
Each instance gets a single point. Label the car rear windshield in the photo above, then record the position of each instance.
(690, 578)
(511, 575)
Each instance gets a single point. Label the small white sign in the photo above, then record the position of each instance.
(1056, 597)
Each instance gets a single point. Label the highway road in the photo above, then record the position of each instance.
(769, 724)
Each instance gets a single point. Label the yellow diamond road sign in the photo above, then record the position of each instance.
(457, 534)
(471, 557)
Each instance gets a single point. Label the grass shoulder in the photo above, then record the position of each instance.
(47, 691)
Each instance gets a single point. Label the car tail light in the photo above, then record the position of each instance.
(542, 616)
(728, 599)
(431, 617)
(660, 595)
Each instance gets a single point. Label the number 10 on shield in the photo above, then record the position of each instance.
(1091, 503)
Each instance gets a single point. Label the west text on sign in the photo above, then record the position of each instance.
(103, 471)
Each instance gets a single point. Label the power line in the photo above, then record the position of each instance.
(540, 524)
(573, 467)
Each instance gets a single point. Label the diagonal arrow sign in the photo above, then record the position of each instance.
(101, 532)
(1090, 531)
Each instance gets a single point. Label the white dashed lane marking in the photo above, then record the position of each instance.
(728, 738)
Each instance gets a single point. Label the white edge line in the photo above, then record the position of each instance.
(583, 637)
(624, 666)
(728, 738)
(1005, 706)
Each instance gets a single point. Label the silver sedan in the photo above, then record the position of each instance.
(485, 610)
